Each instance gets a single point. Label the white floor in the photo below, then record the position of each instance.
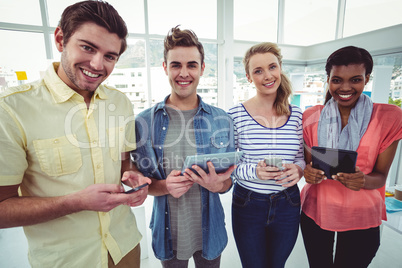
(13, 246)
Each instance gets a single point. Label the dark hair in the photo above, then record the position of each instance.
(348, 55)
(181, 38)
(285, 88)
(99, 12)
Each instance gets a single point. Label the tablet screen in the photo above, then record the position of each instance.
(332, 161)
(221, 161)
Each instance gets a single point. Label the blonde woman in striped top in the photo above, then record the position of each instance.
(266, 199)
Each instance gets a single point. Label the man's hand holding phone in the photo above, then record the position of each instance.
(139, 184)
(136, 188)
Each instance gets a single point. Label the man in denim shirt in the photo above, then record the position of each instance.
(188, 218)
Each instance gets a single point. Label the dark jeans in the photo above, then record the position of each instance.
(353, 248)
(200, 262)
(265, 227)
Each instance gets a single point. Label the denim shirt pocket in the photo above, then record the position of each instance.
(220, 142)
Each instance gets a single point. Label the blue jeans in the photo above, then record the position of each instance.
(265, 226)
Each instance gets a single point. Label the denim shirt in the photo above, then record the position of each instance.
(213, 134)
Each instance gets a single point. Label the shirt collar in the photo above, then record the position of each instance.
(201, 106)
(60, 91)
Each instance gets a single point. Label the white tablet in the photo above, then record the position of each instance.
(221, 161)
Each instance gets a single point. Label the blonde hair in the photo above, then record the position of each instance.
(281, 103)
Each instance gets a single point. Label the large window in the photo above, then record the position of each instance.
(20, 55)
(394, 64)
(368, 15)
(243, 89)
(199, 16)
(396, 81)
(25, 45)
(132, 11)
(309, 22)
(129, 74)
(256, 20)
(21, 11)
(55, 9)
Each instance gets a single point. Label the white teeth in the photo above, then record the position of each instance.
(90, 74)
(269, 84)
(183, 83)
(345, 96)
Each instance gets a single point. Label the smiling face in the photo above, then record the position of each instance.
(346, 84)
(88, 58)
(265, 72)
(184, 69)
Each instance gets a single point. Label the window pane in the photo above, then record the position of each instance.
(296, 75)
(309, 22)
(160, 86)
(314, 90)
(56, 8)
(396, 82)
(199, 16)
(256, 20)
(393, 61)
(208, 87)
(130, 75)
(132, 11)
(16, 57)
(243, 90)
(368, 15)
(156, 53)
(314, 86)
(56, 53)
(21, 11)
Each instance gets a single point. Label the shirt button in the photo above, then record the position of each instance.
(94, 142)
(121, 129)
(56, 141)
(167, 228)
(98, 166)
(164, 128)
(164, 113)
(105, 235)
(160, 148)
(221, 143)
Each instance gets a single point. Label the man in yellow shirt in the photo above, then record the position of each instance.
(65, 143)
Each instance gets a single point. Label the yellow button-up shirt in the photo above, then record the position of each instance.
(53, 145)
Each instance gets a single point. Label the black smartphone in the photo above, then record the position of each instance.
(137, 188)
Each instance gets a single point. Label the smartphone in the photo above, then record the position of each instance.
(274, 162)
(137, 188)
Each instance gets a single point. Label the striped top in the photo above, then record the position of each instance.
(257, 142)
